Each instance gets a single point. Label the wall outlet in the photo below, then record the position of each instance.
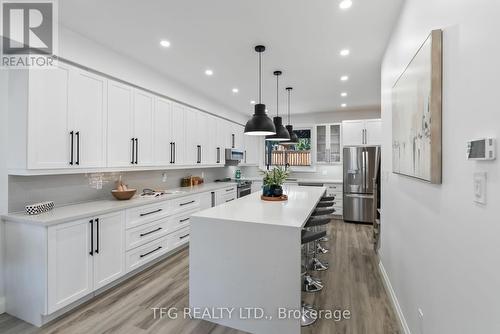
(420, 315)
(164, 177)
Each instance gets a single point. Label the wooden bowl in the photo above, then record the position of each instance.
(124, 194)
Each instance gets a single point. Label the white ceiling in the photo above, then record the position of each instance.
(303, 39)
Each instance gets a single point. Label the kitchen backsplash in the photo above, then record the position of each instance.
(76, 188)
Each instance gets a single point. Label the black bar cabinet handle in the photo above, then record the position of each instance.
(154, 250)
(72, 136)
(149, 213)
(153, 231)
(97, 234)
(233, 141)
(183, 220)
(91, 222)
(77, 148)
(171, 152)
(136, 150)
(184, 236)
(133, 151)
(182, 204)
(174, 152)
(229, 200)
(218, 154)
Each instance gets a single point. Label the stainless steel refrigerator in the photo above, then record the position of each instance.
(360, 168)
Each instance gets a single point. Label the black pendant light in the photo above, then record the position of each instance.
(294, 139)
(281, 133)
(260, 124)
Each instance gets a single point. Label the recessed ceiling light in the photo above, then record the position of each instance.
(344, 78)
(345, 52)
(345, 4)
(209, 72)
(165, 43)
(252, 102)
(343, 94)
(343, 105)
(235, 90)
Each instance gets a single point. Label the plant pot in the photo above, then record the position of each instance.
(272, 191)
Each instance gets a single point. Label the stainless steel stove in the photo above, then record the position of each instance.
(243, 187)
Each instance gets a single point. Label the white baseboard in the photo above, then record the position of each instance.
(2, 305)
(394, 298)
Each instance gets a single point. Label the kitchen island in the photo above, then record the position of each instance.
(245, 262)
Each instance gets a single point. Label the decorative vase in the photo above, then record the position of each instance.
(272, 191)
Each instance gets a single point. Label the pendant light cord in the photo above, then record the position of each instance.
(277, 94)
(288, 106)
(260, 77)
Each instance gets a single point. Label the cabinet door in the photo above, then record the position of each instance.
(373, 131)
(321, 144)
(210, 145)
(109, 252)
(87, 112)
(48, 129)
(352, 133)
(143, 127)
(251, 149)
(70, 271)
(221, 140)
(193, 137)
(206, 200)
(334, 143)
(179, 135)
(120, 131)
(163, 133)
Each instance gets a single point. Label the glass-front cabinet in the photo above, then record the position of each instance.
(328, 144)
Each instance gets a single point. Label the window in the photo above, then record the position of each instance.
(281, 154)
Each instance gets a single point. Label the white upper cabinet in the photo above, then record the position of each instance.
(66, 117)
(120, 144)
(70, 118)
(49, 139)
(373, 131)
(361, 132)
(143, 127)
(163, 138)
(87, 117)
(251, 149)
(328, 144)
(179, 134)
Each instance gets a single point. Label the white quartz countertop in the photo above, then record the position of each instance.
(251, 209)
(89, 209)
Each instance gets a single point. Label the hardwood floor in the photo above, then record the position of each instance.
(352, 283)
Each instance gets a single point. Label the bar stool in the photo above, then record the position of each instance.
(327, 198)
(325, 204)
(314, 223)
(311, 284)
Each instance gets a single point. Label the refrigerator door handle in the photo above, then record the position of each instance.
(359, 196)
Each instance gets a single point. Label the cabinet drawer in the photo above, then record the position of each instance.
(228, 197)
(145, 233)
(144, 214)
(338, 210)
(178, 238)
(185, 204)
(179, 221)
(333, 187)
(143, 254)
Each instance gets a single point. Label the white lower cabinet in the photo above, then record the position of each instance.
(225, 195)
(70, 265)
(336, 189)
(51, 269)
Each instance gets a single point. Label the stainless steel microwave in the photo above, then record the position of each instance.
(234, 154)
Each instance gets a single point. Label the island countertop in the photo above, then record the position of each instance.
(292, 213)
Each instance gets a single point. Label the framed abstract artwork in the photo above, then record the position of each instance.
(416, 114)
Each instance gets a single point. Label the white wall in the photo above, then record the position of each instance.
(334, 116)
(84, 51)
(3, 172)
(440, 250)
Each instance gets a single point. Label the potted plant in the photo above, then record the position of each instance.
(273, 182)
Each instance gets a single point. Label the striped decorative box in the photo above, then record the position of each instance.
(37, 208)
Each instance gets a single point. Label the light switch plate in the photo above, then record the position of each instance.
(480, 188)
